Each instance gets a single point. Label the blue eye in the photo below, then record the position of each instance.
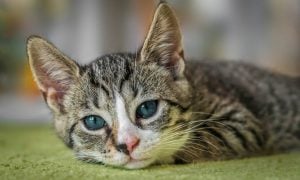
(93, 122)
(147, 109)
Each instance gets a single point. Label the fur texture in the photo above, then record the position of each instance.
(207, 110)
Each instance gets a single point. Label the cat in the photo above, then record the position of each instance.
(133, 110)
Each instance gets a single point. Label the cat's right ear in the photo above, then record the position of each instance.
(53, 71)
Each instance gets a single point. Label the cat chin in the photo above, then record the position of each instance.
(128, 162)
(138, 164)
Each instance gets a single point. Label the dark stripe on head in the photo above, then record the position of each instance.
(126, 75)
(128, 71)
(135, 91)
(96, 100)
(93, 79)
(105, 90)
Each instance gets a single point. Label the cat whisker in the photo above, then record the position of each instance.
(207, 142)
(173, 135)
(171, 139)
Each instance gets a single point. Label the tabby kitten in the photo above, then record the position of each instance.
(134, 110)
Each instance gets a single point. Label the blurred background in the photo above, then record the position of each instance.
(262, 32)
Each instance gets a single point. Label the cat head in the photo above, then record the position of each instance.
(121, 109)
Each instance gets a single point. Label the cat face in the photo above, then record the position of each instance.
(122, 109)
(136, 102)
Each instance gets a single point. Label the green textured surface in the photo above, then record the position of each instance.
(34, 152)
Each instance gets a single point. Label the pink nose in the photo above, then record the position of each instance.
(131, 143)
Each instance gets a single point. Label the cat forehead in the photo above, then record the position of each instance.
(124, 73)
(110, 69)
(112, 63)
(114, 69)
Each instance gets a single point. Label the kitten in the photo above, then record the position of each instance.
(134, 110)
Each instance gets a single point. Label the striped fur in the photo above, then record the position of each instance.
(208, 110)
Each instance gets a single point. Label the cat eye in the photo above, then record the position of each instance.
(147, 109)
(94, 122)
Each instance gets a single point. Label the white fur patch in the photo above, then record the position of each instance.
(149, 149)
(126, 127)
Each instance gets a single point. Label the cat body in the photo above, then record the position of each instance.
(258, 108)
(134, 110)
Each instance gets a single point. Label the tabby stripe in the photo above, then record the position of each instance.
(82, 69)
(257, 138)
(219, 136)
(182, 109)
(180, 121)
(96, 83)
(212, 112)
(121, 85)
(70, 144)
(228, 115)
(239, 136)
(96, 100)
(105, 90)
(126, 76)
(92, 78)
(135, 91)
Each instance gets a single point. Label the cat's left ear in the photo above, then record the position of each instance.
(163, 41)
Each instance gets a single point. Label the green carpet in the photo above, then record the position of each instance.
(34, 152)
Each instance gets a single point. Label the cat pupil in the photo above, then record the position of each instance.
(94, 122)
(146, 109)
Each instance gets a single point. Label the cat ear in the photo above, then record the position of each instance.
(52, 70)
(163, 41)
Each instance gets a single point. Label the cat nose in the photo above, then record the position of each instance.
(131, 143)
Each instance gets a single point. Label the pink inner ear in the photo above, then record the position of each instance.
(54, 95)
(53, 89)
